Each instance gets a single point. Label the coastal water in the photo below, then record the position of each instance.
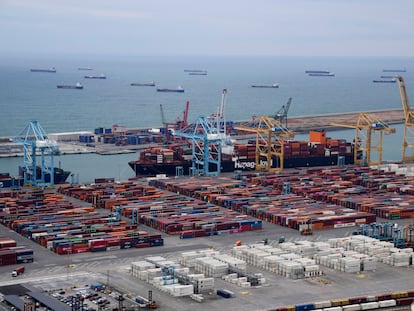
(26, 96)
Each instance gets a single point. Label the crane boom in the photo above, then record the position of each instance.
(408, 139)
(162, 115)
(281, 114)
(404, 100)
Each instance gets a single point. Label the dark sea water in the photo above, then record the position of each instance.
(26, 96)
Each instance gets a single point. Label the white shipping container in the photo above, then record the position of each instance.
(369, 305)
(387, 303)
(354, 307)
(322, 304)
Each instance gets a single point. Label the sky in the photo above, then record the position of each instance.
(213, 27)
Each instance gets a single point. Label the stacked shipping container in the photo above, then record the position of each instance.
(55, 223)
(11, 254)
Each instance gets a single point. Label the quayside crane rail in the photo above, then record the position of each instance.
(369, 132)
(36, 142)
(207, 135)
(270, 139)
(408, 138)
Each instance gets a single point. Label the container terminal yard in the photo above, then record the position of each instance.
(331, 238)
(197, 243)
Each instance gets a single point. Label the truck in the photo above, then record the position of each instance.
(97, 287)
(17, 271)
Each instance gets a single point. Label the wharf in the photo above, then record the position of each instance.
(299, 124)
(323, 122)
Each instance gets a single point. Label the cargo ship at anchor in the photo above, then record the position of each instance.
(317, 152)
(51, 70)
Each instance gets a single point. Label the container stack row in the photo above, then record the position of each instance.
(267, 203)
(165, 211)
(370, 250)
(55, 223)
(277, 260)
(373, 190)
(384, 301)
(119, 135)
(170, 277)
(11, 254)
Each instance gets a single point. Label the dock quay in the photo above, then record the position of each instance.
(70, 143)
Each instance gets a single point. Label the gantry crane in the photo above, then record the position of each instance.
(177, 125)
(369, 131)
(281, 114)
(270, 138)
(207, 135)
(35, 142)
(408, 140)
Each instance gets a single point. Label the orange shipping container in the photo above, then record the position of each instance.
(317, 137)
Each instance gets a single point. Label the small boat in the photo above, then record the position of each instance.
(273, 85)
(77, 86)
(53, 70)
(85, 68)
(152, 83)
(179, 89)
(101, 76)
(385, 80)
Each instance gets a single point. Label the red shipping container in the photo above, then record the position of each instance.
(142, 245)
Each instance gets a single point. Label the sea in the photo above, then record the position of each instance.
(26, 96)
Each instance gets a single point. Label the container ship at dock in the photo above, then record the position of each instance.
(319, 151)
(60, 175)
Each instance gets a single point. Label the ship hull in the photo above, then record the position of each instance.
(144, 169)
(60, 176)
(43, 70)
(171, 90)
(142, 84)
(70, 87)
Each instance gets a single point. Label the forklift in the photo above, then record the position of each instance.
(305, 227)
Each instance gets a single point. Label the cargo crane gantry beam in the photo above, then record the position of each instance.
(408, 139)
(207, 135)
(270, 138)
(369, 132)
(34, 140)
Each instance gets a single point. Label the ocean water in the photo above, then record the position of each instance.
(26, 96)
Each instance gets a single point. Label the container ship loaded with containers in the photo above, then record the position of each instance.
(319, 151)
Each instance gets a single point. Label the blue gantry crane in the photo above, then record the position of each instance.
(207, 135)
(36, 143)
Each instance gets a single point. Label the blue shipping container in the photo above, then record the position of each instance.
(304, 307)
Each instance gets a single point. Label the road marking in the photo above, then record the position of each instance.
(96, 258)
